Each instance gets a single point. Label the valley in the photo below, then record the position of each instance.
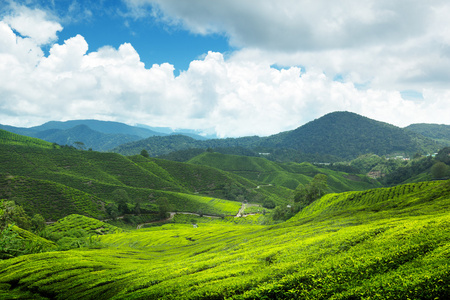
(290, 216)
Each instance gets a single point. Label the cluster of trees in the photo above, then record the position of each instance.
(121, 207)
(304, 196)
(441, 168)
(11, 244)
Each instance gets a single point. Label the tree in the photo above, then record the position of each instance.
(10, 213)
(112, 211)
(144, 153)
(38, 223)
(439, 170)
(305, 195)
(80, 145)
(121, 198)
(163, 207)
(137, 209)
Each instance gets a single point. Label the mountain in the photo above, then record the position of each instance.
(196, 134)
(344, 135)
(97, 135)
(437, 132)
(349, 135)
(90, 138)
(108, 127)
(94, 134)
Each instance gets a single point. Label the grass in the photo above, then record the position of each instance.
(384, 243)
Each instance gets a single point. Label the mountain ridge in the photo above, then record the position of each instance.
(343, 134)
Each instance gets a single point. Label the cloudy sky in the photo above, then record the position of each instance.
(230, 67)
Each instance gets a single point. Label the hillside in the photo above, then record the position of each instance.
(88, 182)
(437, 132)
(9, 138)
(289, 175)
(341, 135)
(378, 244)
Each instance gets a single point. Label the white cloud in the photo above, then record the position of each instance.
(237, 96)
(34, 24)
(390, 44)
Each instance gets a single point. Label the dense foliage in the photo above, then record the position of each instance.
(438, 132)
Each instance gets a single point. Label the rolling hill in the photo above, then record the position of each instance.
(289, 175)
(59, 180)
(378, 244)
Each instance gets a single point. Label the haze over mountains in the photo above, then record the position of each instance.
(342, 135)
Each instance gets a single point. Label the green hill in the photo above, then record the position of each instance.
(60, 181)
(288, 175)
(378, 244)
(9, 138)
(90, 225)
(52, 200)
(437, 132)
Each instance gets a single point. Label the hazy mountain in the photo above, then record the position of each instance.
(100, 126)
(95, 134)
(90, 138)
(196, 134)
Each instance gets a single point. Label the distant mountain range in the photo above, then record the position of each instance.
(94, 134)
(337, 135)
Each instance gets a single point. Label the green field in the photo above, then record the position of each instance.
(390, 243)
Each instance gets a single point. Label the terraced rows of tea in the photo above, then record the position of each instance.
(57, 181)
(391, 243)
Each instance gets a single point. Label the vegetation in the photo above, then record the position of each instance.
(288, 175)
(439, 133)
(379, 244)
(58, 181)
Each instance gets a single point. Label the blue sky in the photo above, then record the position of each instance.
(111, 23)
(228, 67)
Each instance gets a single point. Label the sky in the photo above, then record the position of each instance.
(226, 67)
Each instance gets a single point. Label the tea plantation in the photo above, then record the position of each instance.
(389, 243)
